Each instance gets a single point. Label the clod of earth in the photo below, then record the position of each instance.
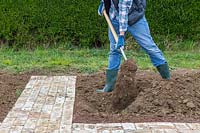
(125, 90)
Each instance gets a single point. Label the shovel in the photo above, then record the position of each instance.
(125, 91)
(113, 32)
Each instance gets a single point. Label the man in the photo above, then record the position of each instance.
(129, 15)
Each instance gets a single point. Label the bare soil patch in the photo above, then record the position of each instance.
(176, 100)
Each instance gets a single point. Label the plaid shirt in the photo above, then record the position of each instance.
(122, 15)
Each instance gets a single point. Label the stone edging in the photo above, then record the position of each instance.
(151, 127)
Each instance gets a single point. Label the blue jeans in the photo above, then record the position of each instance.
(141, 33)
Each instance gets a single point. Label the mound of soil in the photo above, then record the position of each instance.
(176, 100)
(125, 90)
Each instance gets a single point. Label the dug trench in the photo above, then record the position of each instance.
(143, 97)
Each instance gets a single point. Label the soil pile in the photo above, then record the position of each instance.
(125, 90)
(177, 100)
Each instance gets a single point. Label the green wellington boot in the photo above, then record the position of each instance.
(164, 71)
(111, 77)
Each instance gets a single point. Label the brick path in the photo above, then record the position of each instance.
(152, 127)
(46, 106)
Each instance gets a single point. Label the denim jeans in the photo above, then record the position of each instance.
(141, 33)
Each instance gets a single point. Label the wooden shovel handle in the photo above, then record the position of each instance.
(110, 25)
(113, 32)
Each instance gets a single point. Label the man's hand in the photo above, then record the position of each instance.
(101, 8)
(120, 42)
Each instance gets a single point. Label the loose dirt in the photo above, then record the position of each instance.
(176, 100)
(125, 90)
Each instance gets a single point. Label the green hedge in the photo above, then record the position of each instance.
(178, 17)
(34, 23)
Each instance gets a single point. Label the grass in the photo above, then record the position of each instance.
(86, 60)
(18, 92)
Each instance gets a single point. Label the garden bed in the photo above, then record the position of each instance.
(177, 100)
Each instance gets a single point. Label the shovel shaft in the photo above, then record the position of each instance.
(122, 51)
(113, 32)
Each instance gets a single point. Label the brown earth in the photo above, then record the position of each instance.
(125, 89)
(176, 100)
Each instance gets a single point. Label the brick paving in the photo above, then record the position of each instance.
(46, 106)
(152, 127)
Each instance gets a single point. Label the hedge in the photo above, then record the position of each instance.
(179, 17)
(34, 23)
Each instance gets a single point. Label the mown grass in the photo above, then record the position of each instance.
(86, 60)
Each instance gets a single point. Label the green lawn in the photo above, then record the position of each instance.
(86, 60)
